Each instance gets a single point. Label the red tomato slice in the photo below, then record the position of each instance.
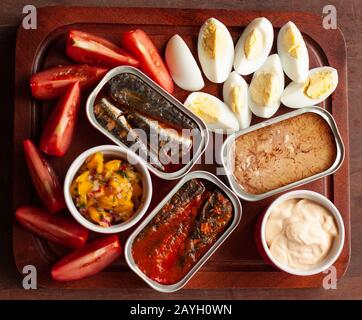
(52, 83)
(58, 132)
(87, 48)
(93, 258)
(142, 47)
(44, 179)
(56, 228)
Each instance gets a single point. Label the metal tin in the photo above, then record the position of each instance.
(237, 213)
(226, 151)
(199, 146)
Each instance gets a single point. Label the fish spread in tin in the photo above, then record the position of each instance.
(282, 153)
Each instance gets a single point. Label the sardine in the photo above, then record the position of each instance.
(113, 120)
(129, 90)
(188, 193)
(156, 250)
(168, 143)
(182, 232)
(210, 223)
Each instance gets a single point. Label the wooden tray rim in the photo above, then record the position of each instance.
(42, 36)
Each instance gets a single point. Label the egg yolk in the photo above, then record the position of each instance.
(292, 43)
(212, 40)
(235, 99)
(264, 89)
(205, 109)
(319, 84)
(253, 45)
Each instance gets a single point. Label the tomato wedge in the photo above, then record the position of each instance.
(59, 128)
(52, 83)
(56, 228)
(87, 48)
(93, 258)
(141, 46)
(44, 179)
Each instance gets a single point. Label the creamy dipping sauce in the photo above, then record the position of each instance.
(300, 233)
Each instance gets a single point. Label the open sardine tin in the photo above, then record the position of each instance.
(237, 213)
(226, 153)
(199, 145)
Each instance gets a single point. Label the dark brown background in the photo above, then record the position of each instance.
(349, 15)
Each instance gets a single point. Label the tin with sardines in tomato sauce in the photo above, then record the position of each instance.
(183, 231)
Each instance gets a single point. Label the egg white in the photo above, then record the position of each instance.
(244, 115)
(271, 65)
(226, 119)
(294, 97)
(218, 69)
(246, 66)
(182, 65)
(295, 68)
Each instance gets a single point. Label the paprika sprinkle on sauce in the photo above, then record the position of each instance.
(182, 232)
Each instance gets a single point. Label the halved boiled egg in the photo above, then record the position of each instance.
(266, 88)
(212, 111)
(253, 47)
(215, 49)
(182, 65)
(235, 94)
(321, 82)
(293, 52)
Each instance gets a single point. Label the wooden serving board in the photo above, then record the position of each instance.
(237, 264)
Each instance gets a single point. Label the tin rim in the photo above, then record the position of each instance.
(237, 208)
(204, 134)
(227, 145)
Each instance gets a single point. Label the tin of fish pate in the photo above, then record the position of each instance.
(282, 153)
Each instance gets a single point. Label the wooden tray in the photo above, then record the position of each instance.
(237, 264)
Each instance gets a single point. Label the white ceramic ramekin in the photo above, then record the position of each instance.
(300, 194)
(118, 153)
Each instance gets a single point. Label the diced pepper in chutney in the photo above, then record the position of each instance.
(106, 193)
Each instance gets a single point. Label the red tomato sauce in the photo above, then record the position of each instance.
(165, 249)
